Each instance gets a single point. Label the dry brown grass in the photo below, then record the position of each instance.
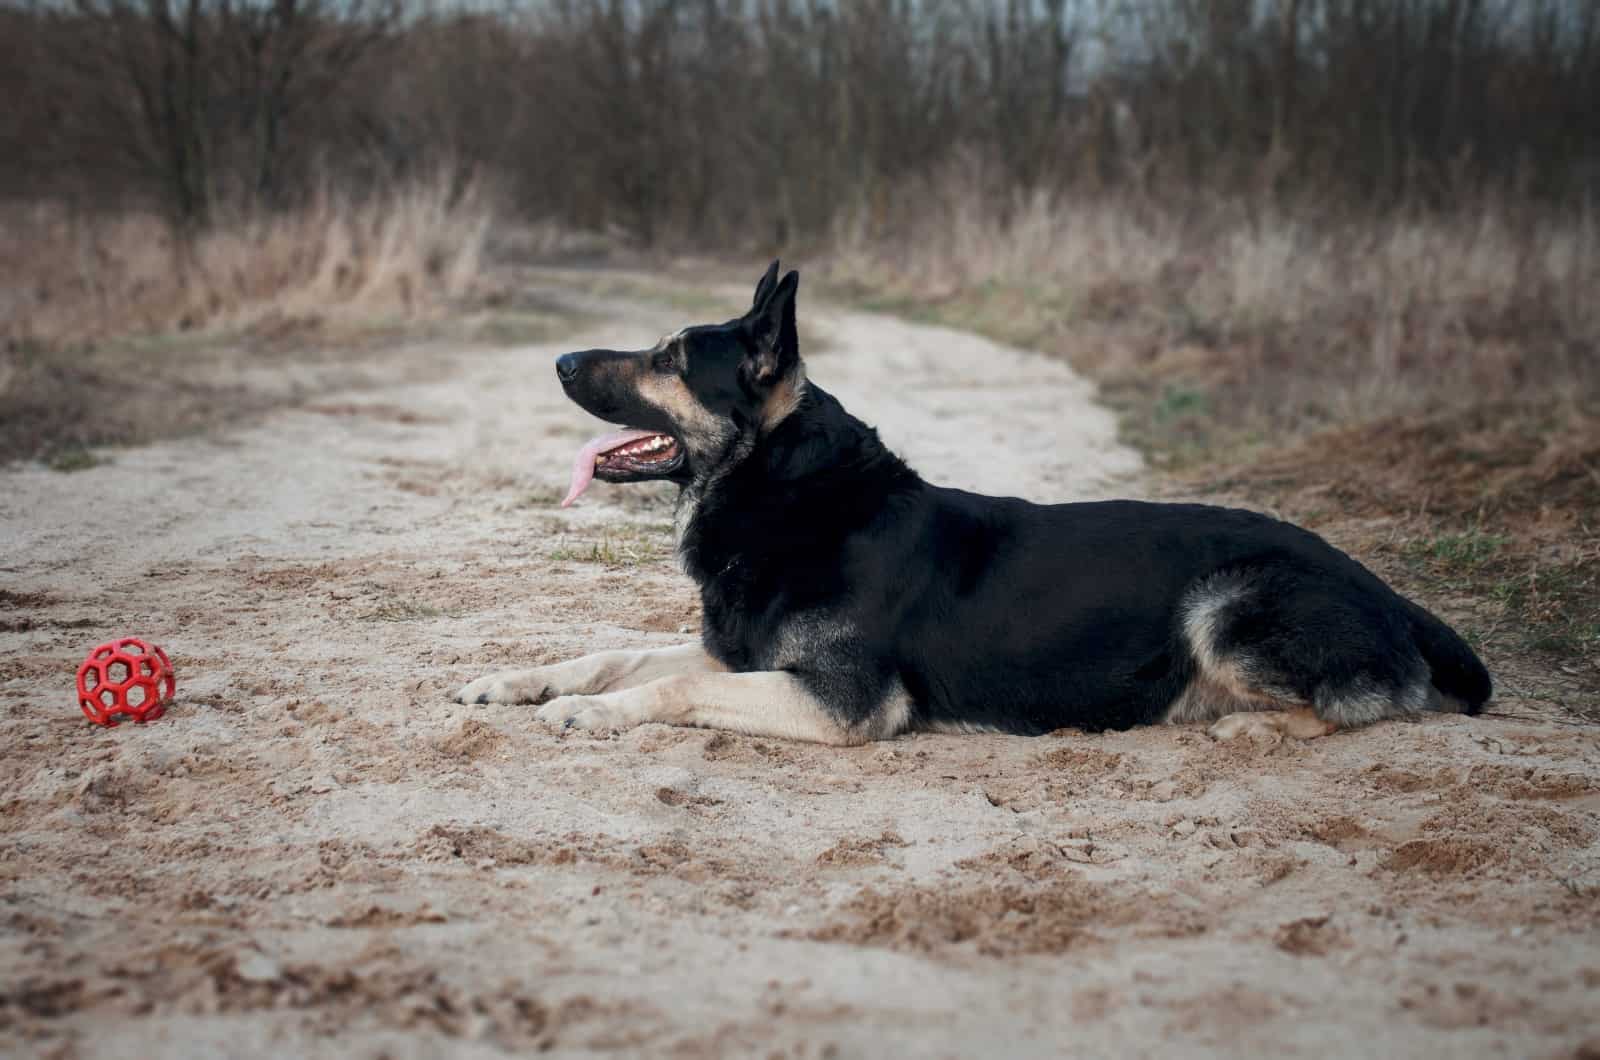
(114, 331)
(70, 279)
(1216, 323)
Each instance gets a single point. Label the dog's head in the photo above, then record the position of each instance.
(687, 403)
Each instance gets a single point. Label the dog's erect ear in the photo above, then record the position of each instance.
(764, 289)
(770, 323)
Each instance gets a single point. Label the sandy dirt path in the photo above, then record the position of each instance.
(317, 854)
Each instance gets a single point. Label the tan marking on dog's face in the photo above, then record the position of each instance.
(701, 431)
(620, 371)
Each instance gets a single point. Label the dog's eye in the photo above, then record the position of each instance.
(665, 360)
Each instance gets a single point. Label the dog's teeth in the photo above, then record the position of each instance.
(640, 448)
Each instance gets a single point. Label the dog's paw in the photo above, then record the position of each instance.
(587, 712)
(1272, 726)
(508, 686)
(1262, 727)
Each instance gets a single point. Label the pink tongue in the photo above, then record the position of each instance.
(583, 463)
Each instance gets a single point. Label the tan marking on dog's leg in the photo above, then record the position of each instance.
(605, 671)
(1272, 725)
(612, 671)
(767, 703)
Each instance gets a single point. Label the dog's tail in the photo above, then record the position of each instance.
(1457, 672)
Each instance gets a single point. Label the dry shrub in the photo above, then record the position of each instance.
(614, 116)
(72, 278)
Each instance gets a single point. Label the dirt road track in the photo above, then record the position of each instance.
(318, 854)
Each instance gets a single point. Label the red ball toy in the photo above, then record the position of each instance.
(125, 677)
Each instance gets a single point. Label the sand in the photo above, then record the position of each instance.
(316, 853)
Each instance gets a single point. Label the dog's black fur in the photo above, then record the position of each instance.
(820, 553)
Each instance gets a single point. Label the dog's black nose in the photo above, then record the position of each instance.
(567, 367)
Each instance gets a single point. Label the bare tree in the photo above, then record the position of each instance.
(200, 98)
(753, 120)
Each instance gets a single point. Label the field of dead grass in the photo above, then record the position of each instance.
(73, 278)
(1220, 324)
(114, 331)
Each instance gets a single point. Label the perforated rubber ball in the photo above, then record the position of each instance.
(125, 678)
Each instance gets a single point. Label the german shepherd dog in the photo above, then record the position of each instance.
(847, 600)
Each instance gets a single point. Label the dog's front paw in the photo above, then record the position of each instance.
(508, 686)
(587, 712)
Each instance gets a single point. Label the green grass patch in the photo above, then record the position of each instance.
(1551, 608)
(73, 458)
(626, 545)
(1554, 609)
(1458, 553)
(1178, 402)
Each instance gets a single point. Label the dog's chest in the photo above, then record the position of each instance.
(736, 629)
(766, 619)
